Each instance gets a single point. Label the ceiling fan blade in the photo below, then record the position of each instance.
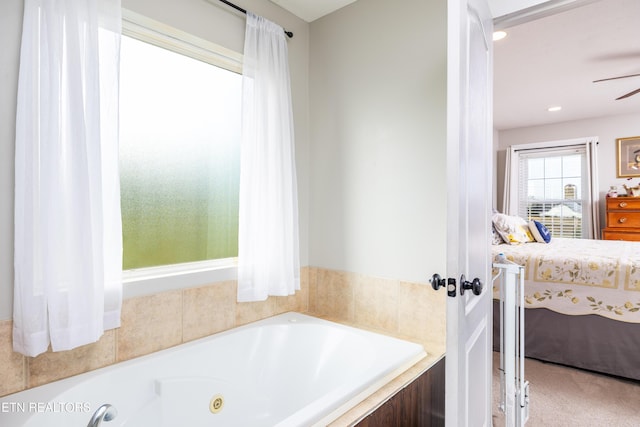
(616, 78)
(629, 94)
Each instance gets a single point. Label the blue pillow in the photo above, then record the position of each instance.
(539, 231)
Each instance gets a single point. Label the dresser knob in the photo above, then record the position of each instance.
(622, 204)
(622, 220)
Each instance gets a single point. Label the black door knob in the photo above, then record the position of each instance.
(437, 282)
(475, 285)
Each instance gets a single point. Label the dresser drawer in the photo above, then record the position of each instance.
(623, 219)
(609, 234)
(623, 203)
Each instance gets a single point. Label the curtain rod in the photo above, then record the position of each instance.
(560, 147)
(238, 8)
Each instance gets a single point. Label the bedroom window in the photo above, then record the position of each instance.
(553, 183)
(179, 150)
(551, 188)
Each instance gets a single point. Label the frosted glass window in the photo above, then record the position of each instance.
(179, 157)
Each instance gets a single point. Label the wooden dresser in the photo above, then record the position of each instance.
(623, 219)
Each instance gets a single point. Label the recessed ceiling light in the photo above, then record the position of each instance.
(556, 108)
(499, 35)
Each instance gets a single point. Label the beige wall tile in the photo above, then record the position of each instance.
(335, 294)
(12, 365)
(208, 309)
(298, 302)
(150, 323)
(247, 312)
(313, 288)
(291, 303)
(50, 366)
(376, 303)
(422, 313)
(155, 322)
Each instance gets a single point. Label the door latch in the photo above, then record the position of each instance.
(438, 282)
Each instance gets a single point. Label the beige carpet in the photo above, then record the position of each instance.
(562, 396)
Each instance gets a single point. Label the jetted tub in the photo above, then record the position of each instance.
(288, 370)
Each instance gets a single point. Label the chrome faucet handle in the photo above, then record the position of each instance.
(105, 412)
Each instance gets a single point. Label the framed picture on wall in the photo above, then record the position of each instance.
(628, 150)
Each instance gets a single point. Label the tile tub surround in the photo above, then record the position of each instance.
(151, 323)
(12, 365)
(412, 311)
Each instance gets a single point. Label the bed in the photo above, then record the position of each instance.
(582, 303)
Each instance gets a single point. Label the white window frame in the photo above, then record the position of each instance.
(592, 191)
(150, 280)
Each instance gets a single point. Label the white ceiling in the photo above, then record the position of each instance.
(554, 60)
(310, 10)
(505, 7)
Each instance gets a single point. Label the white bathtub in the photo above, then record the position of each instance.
(288, 370)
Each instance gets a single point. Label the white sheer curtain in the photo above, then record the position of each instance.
(68, 238)
(268, 255)
(594, 191)
(508, 197)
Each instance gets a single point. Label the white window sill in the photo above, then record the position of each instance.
(146, 281)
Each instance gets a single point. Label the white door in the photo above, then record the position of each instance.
(469, 168)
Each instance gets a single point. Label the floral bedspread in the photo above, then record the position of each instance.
(579, 276)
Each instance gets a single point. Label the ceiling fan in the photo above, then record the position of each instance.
(626, 95)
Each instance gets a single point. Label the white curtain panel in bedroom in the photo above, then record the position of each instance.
(508, 185)
(68, 238)
(594, 191)
(268, 255)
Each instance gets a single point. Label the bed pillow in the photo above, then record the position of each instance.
(539, 231)
(513, 229)
(496, 239)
